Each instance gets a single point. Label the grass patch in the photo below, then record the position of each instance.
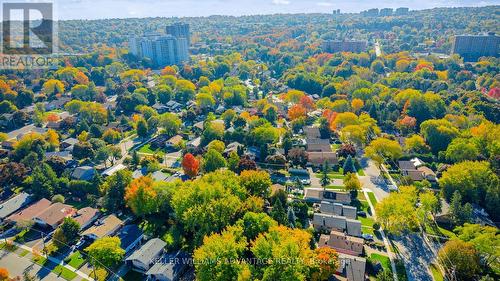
(149, 150)
(436, 273)
(361, 196)
(336, 176)
(367, 230)
(384, 261)
(366, 221)
(24, 253)
(372, 198)
(40, 260)
(64, 272)
(76, 260)
(335, 187)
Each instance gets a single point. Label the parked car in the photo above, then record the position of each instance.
(362, 214)
(367, 237)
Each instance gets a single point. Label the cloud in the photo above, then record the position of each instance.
(324, 4)
(281, 2)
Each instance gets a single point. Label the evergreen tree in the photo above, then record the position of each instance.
(459, 213)
(278, 213)
(349, 165)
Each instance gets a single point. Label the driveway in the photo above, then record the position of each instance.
(373, 179)
(17, 265)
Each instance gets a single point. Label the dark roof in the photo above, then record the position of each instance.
(406, 165)
(170, 265)
(148, 251)
(83, 173)
(14, 204)
(128, 234)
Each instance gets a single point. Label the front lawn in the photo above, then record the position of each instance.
(147, 149)
(335, 187)
(372, 198)
(384, 261)
(64, 272)
(76, 260)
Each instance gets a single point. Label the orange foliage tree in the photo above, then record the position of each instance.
(308, 103)
(4, 274)
(296, 112)
(140, 196)
(327, 261)
(191, 165)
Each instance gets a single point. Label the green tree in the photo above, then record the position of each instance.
(486, 240)
(438, 133)
(213, 160)
(113, 189)
(105, 252)
(351, 182)
(254, 224)
(142, 128)
(349, 165)
(66, 233)
(44, 181)
(232, 162)
(278, 213)
(460, 213)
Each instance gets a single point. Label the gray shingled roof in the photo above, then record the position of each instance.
(148, 251)
(14, 204)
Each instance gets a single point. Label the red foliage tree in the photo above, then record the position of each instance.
(191, 165)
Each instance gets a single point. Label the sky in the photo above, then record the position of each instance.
(99, 9)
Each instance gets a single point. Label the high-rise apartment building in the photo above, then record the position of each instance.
(163, 50)
(472, 47)
(179, 30)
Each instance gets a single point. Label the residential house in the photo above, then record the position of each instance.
(68, 144)
(232, 147)
(318, 145)
(170, 267)
(160, 108)
(351, 268)
(198, 127)
(312, 132)
(54, 215)
(159, 176)
(112, 170)
(66, 155)
(415, 169)
(339, 223)
(142, 259)
(13, 204)
(130, 237)
(174, 106)
(194, 143)
(318, 159)
(338, 209)
(342, 243)
(83, 173)
(103, 227)
(174, 142)
(29, 213)
(86, 217)
(317, 194)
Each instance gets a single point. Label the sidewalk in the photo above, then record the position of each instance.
(54, 260)
(384, 238)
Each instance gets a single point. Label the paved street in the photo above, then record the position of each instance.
(17, 265)
(416, 256)
(373, 180)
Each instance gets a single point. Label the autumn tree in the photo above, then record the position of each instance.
(256, 182)
(140, 196)
(351, 182)
(297, 111)
(113, 189)
(327, 261)
(216, 258)
(381, 149)
(190, 165)
(282, 243)
(397, 213)
(4, 274)
(485, 240)
(460, 259)
(254, 224)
